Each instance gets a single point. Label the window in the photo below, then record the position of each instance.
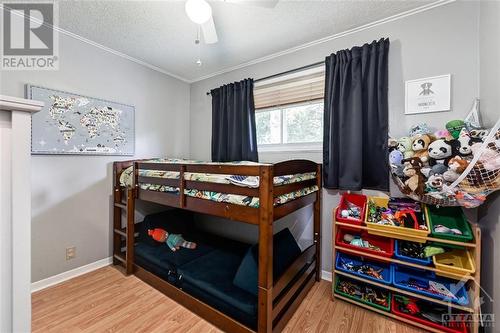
(291, 125)
(289, 112)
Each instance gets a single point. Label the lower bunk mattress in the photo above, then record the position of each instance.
(220, 272)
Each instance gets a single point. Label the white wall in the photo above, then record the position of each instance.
(489, 214)
(421, 45)
(71, 194)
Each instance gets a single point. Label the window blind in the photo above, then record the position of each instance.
(310, 87)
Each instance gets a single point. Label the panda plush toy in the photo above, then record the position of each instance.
(441, 151)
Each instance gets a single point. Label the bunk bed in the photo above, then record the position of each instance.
(253, 193)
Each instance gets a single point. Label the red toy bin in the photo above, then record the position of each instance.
(356, 199)
(385, 244)
(456, 328)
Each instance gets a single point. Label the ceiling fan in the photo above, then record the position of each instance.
(200, 12)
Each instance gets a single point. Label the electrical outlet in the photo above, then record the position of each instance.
(70, 253)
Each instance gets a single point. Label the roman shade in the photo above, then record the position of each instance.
(305, 88)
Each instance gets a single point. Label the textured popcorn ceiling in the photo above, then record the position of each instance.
(159, 32)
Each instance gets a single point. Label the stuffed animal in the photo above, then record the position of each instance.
(392, 144)
(443, 134)
(437, 169)
(173, 241)
(456, 165)
(404, 146)
(395, 161)
(465, 142)
(434, 183)
(419, 129)
(415, 182)
(454, 127)
(420, 145)
(441, 151)
(478, 133)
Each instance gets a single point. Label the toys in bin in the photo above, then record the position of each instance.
(427, 313)
(425, 164)
(363, 292)
(351, 208)
(399, 213)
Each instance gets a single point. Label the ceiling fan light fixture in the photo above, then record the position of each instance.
(198, 11)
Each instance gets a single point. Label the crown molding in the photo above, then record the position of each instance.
(328, 38)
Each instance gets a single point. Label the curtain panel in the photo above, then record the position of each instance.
(234, 135)
(356, 118)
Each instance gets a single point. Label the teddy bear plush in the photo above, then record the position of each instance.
(420, 145)
(404, 146)
(441, 151)
(415, 182)
(434, 183)
(456, 165)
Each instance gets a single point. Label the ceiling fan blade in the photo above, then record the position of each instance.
(209, 32)
(255, 3)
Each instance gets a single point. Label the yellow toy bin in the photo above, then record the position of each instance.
(412, 235)
(456, 262)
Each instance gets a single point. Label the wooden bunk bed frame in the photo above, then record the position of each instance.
(276, 301)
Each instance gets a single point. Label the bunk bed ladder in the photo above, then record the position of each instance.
(124, 237)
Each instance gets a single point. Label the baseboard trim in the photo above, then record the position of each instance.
(56, 279)
(326, 275)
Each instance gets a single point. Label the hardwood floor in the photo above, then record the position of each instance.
(107, 301)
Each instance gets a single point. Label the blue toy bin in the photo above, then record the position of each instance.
(386, 268)
(401, 275)
(398, 255)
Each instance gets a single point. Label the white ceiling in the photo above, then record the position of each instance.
(160, 34)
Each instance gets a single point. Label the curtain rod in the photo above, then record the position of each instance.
(316, 64)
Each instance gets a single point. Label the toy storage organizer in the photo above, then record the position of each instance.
(462, 263)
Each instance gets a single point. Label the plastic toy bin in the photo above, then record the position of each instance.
(385, 269)
(413, 260)
(410, 234)
(401, 277)
(359, 299)
(452, 328)
(356, 199)
(386, 245)
(457, 262)
(450, 217)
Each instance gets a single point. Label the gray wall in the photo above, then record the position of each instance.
(421, 45)
(489, 214)
(71, 194)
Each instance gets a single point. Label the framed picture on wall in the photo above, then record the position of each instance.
(431, 94)
(70, 123)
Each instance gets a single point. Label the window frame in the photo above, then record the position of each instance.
(315, 146)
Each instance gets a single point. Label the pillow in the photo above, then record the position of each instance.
(175, 221)
(285, 249)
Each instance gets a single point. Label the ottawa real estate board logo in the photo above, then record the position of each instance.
(29, 41)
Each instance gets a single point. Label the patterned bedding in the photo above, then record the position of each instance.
(126, 179)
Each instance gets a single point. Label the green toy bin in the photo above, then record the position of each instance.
(359, 300)
(450, 217)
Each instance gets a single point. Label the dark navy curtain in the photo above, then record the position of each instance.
(234, 136)
(356, 118)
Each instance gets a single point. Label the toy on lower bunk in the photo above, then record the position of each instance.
(173, 241)
(358, 241)
(364, 292)
(425, 164)
(365, 269)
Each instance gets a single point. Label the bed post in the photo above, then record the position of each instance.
(265, 306)
(317, 222)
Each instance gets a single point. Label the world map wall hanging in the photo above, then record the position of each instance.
(76, 124)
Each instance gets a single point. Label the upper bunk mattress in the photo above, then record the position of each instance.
(127, 177)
